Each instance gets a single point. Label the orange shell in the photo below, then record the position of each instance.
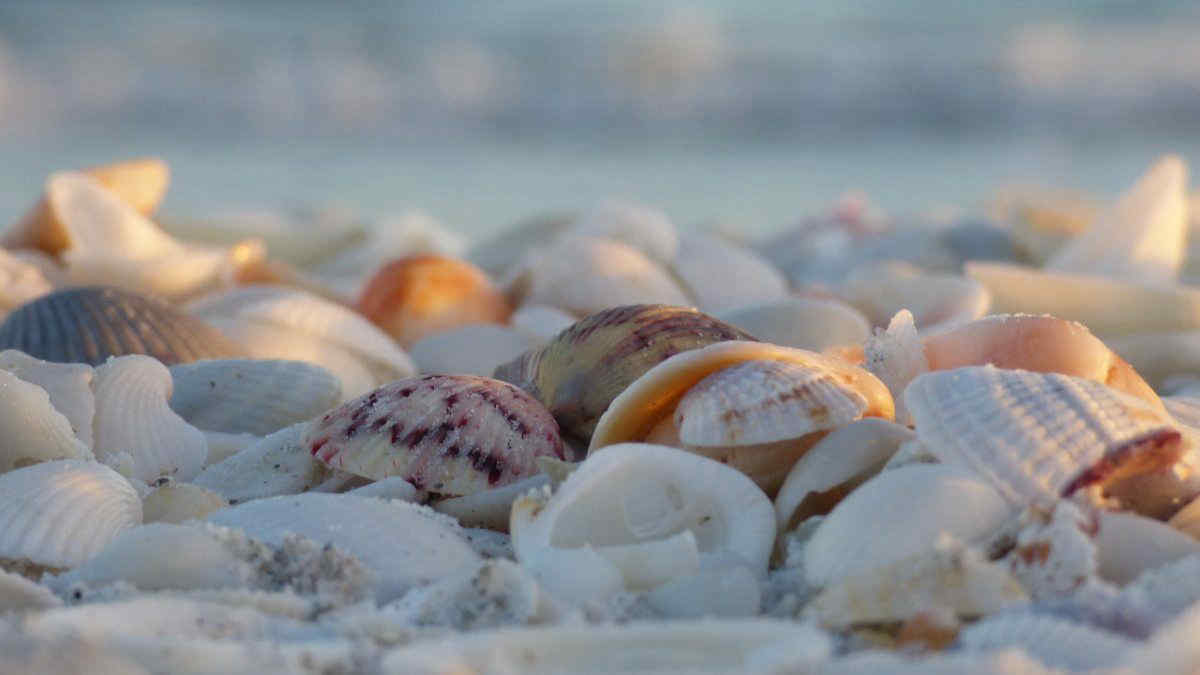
(417, 296)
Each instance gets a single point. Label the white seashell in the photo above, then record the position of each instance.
(222, 446)
(727, 591)
(392, 487)
(642, 227)
(1038, 436)
(947, 576)
(911, 451)
(540, 323)
(496, 594)
(179, 502)
(1055, 642)
(489, 508)
(1157, 356)
(273, 322)
(937, 301)
(805, 323)
(20, 282)
(251, 396)
(898, 514)
(69, 386)
(60, 513)
(1142, 237)
(402, 544)
(720, 275)
(1053, 554)
(997, 662)
(705, 646)
(896, 356)
(1164, 593)
(474, 349)
(834, 466)
(1184, 408)
(635, 515)
(1173, 648)
(132, 416)
(20, 594)
(277, 465)
(1128, 545)
(32, 429)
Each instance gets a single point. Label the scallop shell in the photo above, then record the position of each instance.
(579, 373)
(402, 544)
(33, 430)
(642, 227)
(58, 514)
(1055, 642)
(703, 646)
(90, 324)
(721, 276)
(476, 349)
(635, 516)
(937, 301)
(251, 396)
(277, 465)
(450, 434)
(898, 514)
(804, 323)
(179, 502)
(280, 323)
(1039, 436)
(69, 386)
(133, 417)
(412, 298)
(1128, 544)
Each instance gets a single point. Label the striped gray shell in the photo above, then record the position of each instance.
(91, 323)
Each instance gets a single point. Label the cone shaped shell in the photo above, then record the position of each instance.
(450, 434)
(251, 396)
(90, 324)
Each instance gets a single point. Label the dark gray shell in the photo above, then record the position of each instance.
(91, 323)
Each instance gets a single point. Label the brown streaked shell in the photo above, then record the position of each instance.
(91, 323)
(449, 434)
(577, 374)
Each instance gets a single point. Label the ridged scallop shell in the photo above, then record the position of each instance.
(722, 276)
(1056, 642)
(803, 323)
(637, 515)
(90, 324)
(898, 514)
(279, 323)
(134, 419)
(58, 514)
(69, 386)
(33, 430)
(276, 465)
(450, 434)
(936, 300)
(1039, 436)
(254, 396)
(578, 374)
(476, 349)
(703, 646)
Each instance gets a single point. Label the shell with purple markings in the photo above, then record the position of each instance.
(578, 374)
(1039, 436)
(449, 434)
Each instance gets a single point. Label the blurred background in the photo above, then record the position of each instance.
(751, 114)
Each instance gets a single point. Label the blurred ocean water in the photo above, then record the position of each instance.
(749, 113)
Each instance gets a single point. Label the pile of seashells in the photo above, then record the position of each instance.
(599, 444)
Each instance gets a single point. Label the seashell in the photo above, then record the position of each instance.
(69, 386)
(280, 323)
(937, 301)
(33, 430)
(582, 275)
(394, 487)
(675, 508)
(469, 350)
(139, 183)
(578, 374)
(898, 514)
(499, 593)
(58, 514)
(1055, 642)
(450, 434)
(132, 416)
(1158, 356)
(1142, 237)
(179, 502)
(1128, 306)
(1187, 520)
(1041, 221)
(490, 508)
(948, 576)
(251, 396)
(1128, 544)
(804, 323)
(896, 356)
(703, 646)
(20, 282)
(834, 466)
(642, 227)
(412, 298)
(20, 594)
(277, 465)
(1039, 436)
(540, 323)
(726, 591)
(1053, 554)
(1172, 648)
(90, 324)
(497, 255)
(402, 544)
(721, 276)
(728, 400)
(222, 446)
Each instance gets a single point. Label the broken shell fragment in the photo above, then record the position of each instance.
(276, 465)
(69, 386)
(179, 502)
(449, 434)
(33, 430)
(578, 374)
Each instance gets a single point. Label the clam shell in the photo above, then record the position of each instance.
(937, 301)
(450, 434)
(721, 276)
(33, 430)
(1039, 436)
(579, 373)
(58, 514)
(276, 465)
(476, 349)
(1055, 642)
(642, 227)
(805, 323)
(133, 417)
(90, 324)
(251, 396)
(69, 386)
